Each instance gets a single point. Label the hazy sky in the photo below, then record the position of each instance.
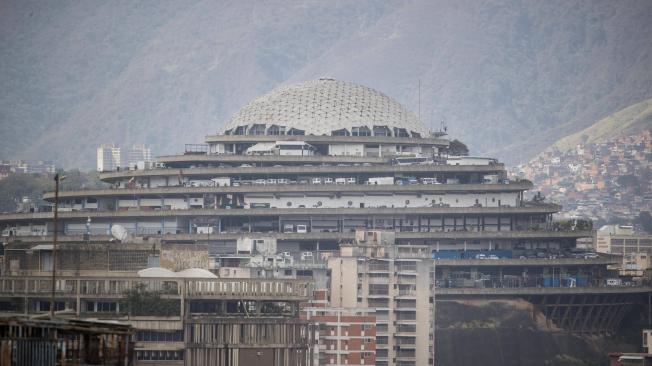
(509, 78)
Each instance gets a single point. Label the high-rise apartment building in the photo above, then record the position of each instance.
(139, 153)
(108, 157)
(395, 282)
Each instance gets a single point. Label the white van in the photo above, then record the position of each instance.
(340, 181)
(328, 180)
(222, 182)
(316, 180)
(351, 181)
(302, 229)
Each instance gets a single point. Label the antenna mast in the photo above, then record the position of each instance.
(419, 99)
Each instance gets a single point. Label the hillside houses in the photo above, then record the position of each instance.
(607, 181)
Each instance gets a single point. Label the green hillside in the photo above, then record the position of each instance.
(629, 120)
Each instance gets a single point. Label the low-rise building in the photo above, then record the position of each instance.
(634, 247)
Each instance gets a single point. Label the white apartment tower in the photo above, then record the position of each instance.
(138, 152)
(108, 157)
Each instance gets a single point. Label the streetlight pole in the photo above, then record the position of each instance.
(57, 179)
(434, 308)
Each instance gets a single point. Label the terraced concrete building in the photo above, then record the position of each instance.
(309, 164)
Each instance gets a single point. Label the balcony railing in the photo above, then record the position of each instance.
(244, 288)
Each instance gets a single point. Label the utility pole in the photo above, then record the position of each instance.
(434, 309)
(57, 179)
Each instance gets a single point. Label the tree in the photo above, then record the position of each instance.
(457, 148)
(18, 185)
(645, 220)
(139, 301)
(627, 181)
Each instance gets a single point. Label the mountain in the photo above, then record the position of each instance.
(508, 77)
(630, 120)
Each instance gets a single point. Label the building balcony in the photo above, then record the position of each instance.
(183, 191)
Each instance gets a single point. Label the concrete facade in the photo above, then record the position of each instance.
(397, 287)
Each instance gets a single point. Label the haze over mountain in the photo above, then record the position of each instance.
(509, 77)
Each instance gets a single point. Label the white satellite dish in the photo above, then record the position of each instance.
(119, 232)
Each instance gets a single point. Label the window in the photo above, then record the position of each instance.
(276, 130)
(159, 336)
(342, 132)
(159, 355)
(257, 129)
(381, 131)
(294, 131)
(360, 131)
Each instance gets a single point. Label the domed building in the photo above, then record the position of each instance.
(290, 180)
(325, 107)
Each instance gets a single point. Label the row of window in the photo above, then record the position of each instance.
(159, 336)
(158, 355)
(261, 129)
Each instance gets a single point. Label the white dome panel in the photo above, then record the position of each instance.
(319, 107)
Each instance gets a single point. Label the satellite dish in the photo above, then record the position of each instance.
(119, 232)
